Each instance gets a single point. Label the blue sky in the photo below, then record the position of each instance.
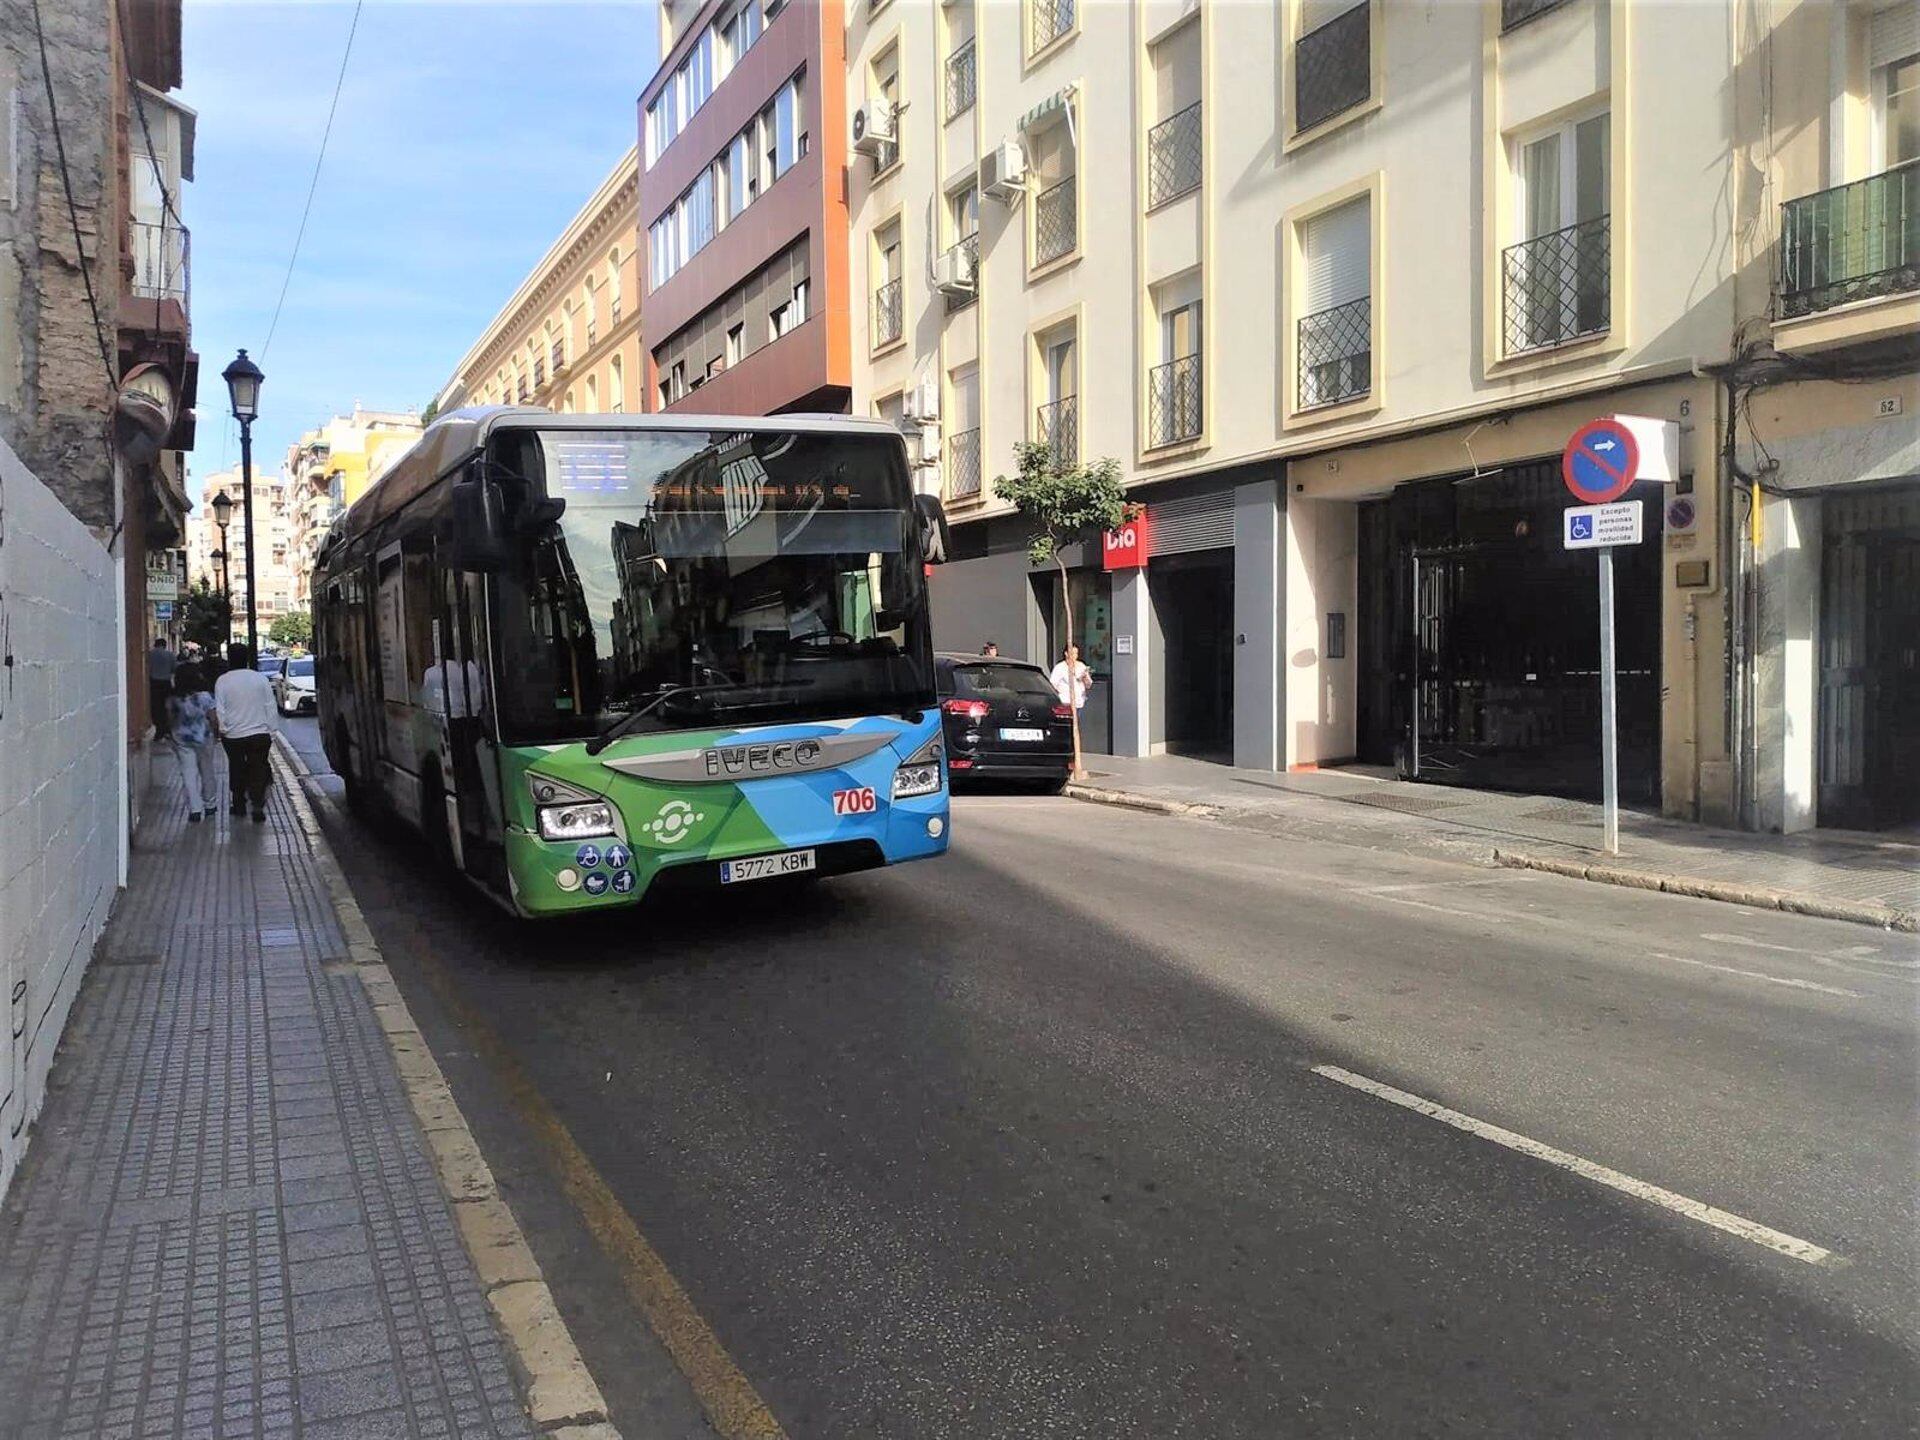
(467, 136)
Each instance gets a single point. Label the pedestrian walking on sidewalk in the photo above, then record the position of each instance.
(189, 711)
(1071, 678)
(245, 717)
(161, 666)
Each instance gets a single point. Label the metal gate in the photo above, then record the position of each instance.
(1869, 733)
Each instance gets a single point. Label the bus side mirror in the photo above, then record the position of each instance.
(479, 539)
(933, 528)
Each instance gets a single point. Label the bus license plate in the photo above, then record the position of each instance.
(1023, 734)
(765, 867)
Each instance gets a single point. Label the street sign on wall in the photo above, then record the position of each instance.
(1589, 527)
(1125, 548)
(1601, 461)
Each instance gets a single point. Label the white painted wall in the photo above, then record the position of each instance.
(1322, 545)
(60, 682)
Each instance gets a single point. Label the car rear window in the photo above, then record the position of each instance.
(300, 667)
(1001, 682)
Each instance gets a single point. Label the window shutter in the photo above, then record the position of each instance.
(1336, 249)
(1894, 33)
(1193, 522)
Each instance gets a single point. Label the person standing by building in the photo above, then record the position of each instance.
(189, 712)
(246, 717)
(990, 650)
(1071, 679)
(161, 665)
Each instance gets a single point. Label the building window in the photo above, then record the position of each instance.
(1893, 55)
(1332, 60)
(1056, 210)
(961, 79)
(883, 84)
(1556, 281)
(1334, 359)
(616, 385)
(1174, 386)
(1173, 145)
(593, 315)
(736, 344)
(1518, 12)
(961, 279)
(1050, 20)
(889, 308)
(1056, 420)
(613, 271)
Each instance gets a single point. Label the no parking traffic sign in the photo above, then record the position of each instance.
(1601, 461)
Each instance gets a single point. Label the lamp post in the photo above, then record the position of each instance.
(223, 513)
(243, 379)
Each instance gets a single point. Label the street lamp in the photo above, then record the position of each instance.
(222, 506)
(243, 379)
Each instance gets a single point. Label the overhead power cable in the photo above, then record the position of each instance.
(314, 186)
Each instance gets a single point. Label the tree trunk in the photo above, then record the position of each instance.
(1073, 691)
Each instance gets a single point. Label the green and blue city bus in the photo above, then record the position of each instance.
(593, 657)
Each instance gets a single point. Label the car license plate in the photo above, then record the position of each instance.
(1017, 734)
(765, 867)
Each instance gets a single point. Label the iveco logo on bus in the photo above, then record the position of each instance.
(768, 759)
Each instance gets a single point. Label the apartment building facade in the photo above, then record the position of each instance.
(569, 337)
(1334, 283)
(330, 467)
(225, 565)
(743, 212)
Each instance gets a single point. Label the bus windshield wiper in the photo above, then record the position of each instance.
(624, 725)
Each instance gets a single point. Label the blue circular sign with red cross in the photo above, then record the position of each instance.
(1600, 462)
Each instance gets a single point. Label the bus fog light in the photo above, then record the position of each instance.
(911, 780)
(568, 879)
(576, 822)
(936, 827)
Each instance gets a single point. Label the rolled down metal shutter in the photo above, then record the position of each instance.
(1893, 33)
(1192, 522)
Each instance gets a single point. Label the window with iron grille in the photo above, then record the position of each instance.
(1336, 353)
(1173, 156)
(1057, 426)
(1853, 242)
(887, 313)
(960, 80)
(963, 465)
(1518, 12)
(1056, 222)
(1051, 20)
(539, 371)
(1332, 67)
(1173, 401)
(1558, 287)
(559, 356)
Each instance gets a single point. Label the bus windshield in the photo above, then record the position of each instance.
(702, 579)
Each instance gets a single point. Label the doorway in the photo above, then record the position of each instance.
(1193, 604)
(1869, 731)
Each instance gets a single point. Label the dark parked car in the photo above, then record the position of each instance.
(1003, 721)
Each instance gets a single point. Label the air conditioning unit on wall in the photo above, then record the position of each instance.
(953, 271)
(1003, 171)
(873, 126)
(923, 400)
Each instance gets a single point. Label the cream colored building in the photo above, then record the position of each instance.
(273, 574)
(569, 337)
(328, 469)
(1335, 284)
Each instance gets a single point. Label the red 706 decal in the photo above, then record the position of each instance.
(855, 802)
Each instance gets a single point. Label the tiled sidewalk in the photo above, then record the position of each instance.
(228, 1223)
(1855, 876)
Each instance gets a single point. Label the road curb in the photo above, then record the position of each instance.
(1126, 800)
(1856, 912)
(563, 1400)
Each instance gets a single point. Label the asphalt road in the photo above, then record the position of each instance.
(1029, 1141)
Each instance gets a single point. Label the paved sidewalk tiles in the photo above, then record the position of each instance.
(228, 1223)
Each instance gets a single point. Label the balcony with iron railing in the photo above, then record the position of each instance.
(888, 313)
(1057, 426)
(1051, 20)
(1333, 68)
(1857, 241)
(962, 80)
(162, 263)
(963, 465)
(1173, 156)
(1056, 221)
(1174, 401)
(559, 357)
(1336, 354)
(539, 371)
(1557, 287)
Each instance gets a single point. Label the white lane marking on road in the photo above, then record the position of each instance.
(1439, 884)
(1869, 953)
(1757, 975)
(1428, 905)
(1640, 1189)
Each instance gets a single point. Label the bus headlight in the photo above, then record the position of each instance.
(919, 773)
(576, 822)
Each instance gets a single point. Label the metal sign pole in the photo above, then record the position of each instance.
(1609, 737)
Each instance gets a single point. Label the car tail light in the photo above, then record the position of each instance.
(1063, 712)
(968, 709)
(954, 763)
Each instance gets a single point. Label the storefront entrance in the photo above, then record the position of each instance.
(1869, 757)
(1480, 639)
(1193, 608)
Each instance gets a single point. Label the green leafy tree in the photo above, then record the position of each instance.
(293, 628)
(429, 410)
(206, 618)
(1061, 502)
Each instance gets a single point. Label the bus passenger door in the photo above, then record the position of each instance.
(472, 751)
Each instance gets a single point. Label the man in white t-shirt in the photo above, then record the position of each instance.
(245, 716)
(1071, 679)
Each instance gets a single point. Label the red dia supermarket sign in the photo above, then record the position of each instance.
(1126, 547)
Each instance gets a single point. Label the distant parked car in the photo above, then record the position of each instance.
(293, 685)
(1003, 721)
